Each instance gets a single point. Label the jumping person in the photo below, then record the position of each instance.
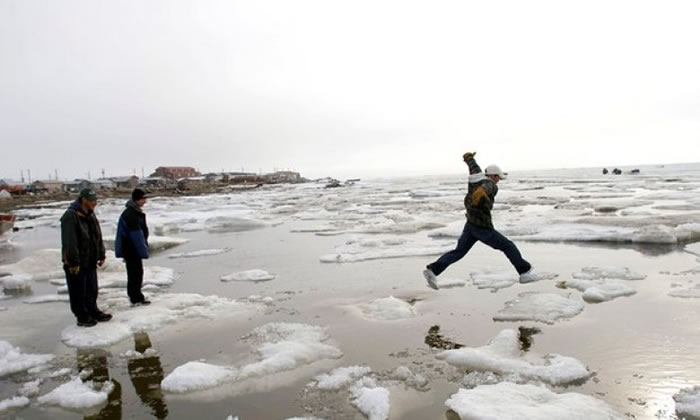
(131, 244)
(479, 227)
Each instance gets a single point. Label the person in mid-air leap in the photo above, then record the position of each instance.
(479, 227)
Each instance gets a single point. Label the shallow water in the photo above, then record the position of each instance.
(643, 348)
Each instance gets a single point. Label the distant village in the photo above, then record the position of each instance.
(174, 178)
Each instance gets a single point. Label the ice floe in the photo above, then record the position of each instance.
(692, 291)
(371, 399)
(541, 307)
(280, 347)
(41, 265)
(506, 400)
(165, 309)
(688, 402)
(503, 356)
(12, 360)
(340, 377)
(31, 388)
(410, 378)
(254, 275)
(156, 243)
(355, 253)
(78, 395)
(610, 272)
(601, 290)
(13, 403)
(200, 253)
(193, 376)
(387, 309)
(448, 283)
(47, 299)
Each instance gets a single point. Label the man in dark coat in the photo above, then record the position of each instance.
(131, 244)
(83, 251)
(479, 200)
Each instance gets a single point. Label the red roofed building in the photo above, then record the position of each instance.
(175, 172)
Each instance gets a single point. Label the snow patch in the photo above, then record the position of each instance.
(688, 402)
(506, 400)
(596, 291)
(610, 272)
(540, 307)
(249, 275)
(503, 356)
(282, 347)
(13, 403)
(200, 253)
(78, 395)
(165, 309)
(388, 309)
(371, 399)
(340, 377)
(12, 360)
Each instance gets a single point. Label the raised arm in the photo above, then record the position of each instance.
(471, 162)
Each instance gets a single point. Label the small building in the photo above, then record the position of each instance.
(214, 177)
(189, 182)
(48, 186)
(281, 177)
(127, 182)
(76, 185)
(157, 182)
(103, 184)
(175, 172)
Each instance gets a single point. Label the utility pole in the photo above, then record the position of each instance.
(103, 173)
(21, 175)
(29, 175)
(56, 173)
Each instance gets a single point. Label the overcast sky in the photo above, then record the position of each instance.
(346, 88)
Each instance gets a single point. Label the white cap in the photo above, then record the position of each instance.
(495, 170)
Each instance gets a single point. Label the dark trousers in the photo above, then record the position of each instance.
(134, 279)
(82, 291)
(490, 237)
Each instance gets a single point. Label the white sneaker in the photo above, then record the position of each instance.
(430, 277)
(528, 277)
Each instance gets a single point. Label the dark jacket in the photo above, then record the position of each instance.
(480, 196)
(81, 237)
(132, 233)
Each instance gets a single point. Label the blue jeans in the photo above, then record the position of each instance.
(490, 237)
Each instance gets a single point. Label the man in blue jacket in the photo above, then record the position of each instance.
(131, 244)
(479, 200)
(83, 251)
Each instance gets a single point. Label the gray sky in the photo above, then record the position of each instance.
(351, 88)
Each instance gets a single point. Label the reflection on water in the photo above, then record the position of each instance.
(525, 336)
(435, 340)
(146, 374)
(94, 363)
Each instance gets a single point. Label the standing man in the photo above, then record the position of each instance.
(83, 251)
(131, 244)
(479, 227)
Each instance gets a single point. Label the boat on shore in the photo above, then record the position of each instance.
(7, 222)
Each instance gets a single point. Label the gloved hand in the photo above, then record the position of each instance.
(468, 155)
(74, 270)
